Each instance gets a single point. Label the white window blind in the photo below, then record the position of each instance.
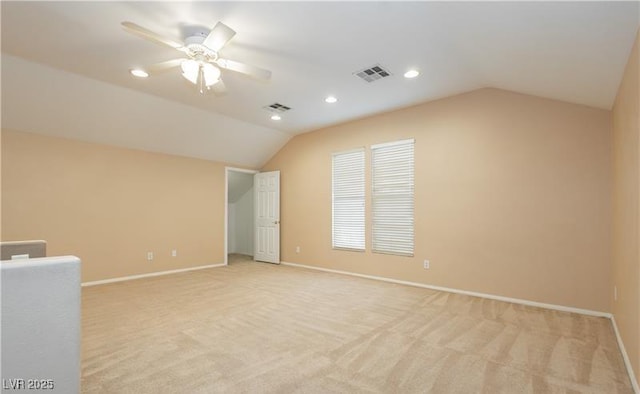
(348, 200)
(392, 197)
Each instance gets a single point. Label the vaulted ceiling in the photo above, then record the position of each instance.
(65, 65)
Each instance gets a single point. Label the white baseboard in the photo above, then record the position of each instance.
(625, 356)
(458, 291)
(149, 275)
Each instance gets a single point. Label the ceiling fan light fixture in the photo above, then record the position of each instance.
(276, 117)
(138, 72)
(201, 67)
(331, 99)
(190, 70)
(211, 74)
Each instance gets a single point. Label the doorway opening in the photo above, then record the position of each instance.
(239, 215)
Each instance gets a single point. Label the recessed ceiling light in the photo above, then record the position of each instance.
(411, 74)
(275, 117)
(331, 99)
(136, 72)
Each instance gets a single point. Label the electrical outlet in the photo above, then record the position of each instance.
(615, 293)
(149, 256)
(426, 264)
(297, 249)
(174, 252)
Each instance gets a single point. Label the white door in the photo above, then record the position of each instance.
(266, 187)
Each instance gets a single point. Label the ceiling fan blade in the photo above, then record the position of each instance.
(163, 66)
(219, 36)
(149, 35)
(219, 88)
(246, 69)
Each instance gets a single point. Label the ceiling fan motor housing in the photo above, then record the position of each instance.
(196, 39)
(196, 50)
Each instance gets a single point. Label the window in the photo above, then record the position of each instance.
(392, 197)
(348, 200)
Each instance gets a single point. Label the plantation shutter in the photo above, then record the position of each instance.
(392, 197)
(348, 200)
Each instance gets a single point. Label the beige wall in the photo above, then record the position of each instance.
(109, 206)
(626, 208)
(512, 197)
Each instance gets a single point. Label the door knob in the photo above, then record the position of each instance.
(276, 222)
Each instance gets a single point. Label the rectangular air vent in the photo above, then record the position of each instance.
(373, 73)
(277, 107)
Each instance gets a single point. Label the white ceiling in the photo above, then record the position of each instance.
(571, 51)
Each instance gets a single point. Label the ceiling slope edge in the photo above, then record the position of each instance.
(49, 101)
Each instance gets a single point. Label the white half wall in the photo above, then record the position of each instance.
(41, 324)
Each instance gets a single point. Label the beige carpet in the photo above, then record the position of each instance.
(261, 328)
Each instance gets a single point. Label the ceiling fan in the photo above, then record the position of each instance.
(202, 65)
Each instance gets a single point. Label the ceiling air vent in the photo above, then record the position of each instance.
(277, 107)
(373, 73)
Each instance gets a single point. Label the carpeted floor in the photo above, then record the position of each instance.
(262, 328)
